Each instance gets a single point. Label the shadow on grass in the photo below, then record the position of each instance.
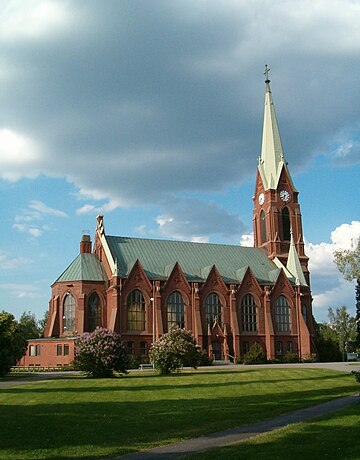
(92, 428)
(333, 437)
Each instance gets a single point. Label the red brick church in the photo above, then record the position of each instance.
(228, 296)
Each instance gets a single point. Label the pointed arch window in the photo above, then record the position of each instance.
(263, 227)
(285, 217)
(304, 312)
(93, 312)
(248, 310)
(212, 309)
(69, 313)
(175, 310)
(282, 315)
(135, 311)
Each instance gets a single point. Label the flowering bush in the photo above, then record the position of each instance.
(175, 349)
(100, 353)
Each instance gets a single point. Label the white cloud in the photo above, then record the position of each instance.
(33, 231)
(42, 208)
(31, 19)
(328, 286)
(247, 239)
(19, 155)
(8, 263)
(22, 290)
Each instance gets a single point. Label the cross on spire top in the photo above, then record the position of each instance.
(266, 73)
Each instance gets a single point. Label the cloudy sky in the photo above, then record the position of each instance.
(150, 112)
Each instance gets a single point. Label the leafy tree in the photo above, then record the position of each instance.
(29, 325)
(100, 353)
(327, 344)
(344, 326)
(43, 322)
(348, 262)
(12, 342)
(173, 350)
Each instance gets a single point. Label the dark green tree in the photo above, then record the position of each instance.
(327, 344)
(12, 342)
(29, 325)
(348, 262)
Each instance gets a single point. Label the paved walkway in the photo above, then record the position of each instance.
(230, 436)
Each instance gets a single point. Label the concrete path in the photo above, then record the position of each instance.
(234, 435)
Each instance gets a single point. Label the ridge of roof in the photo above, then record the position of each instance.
(158, 255)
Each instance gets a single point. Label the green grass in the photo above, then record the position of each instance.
(74, 417)
(335, 436)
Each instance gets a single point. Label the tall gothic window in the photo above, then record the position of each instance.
(135, 311)
(212, 309)
(93, 312)
(282, 314)
(263, 227)
(285, 217)
(248, 313)
(304, 312)
(69, 313)
(175, 310)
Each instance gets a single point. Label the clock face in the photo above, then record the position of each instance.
(284, 195)
(261, 198)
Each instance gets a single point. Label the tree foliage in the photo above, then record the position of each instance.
(173, 350)
(29, 325)
(344, 326)
(348, 262)
(12, 342)
(100, 353)
(327, 344)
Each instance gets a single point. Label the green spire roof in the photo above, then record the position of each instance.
(293, 264)
(86, 267)
(272, 159)
(158, 257)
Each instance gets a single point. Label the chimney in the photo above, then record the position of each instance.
(85, 245)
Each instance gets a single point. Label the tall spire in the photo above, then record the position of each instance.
(272, 158)
(293, 263)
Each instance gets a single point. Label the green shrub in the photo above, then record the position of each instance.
(356, 375)
(175, 349)
(205, 360)
(312, 358)
(290, 357)
(255, 355)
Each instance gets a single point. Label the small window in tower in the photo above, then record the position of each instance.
(286, 224)
(263, 227)
(66, 350)
(59, 350)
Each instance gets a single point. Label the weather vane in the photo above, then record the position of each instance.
(266, 73)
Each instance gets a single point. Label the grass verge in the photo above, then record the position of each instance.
(75, 417)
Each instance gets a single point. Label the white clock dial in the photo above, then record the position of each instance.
(261, 198)
(285, 195)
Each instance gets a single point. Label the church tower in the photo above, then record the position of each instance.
(276, 216)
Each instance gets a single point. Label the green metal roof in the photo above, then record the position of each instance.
(86, 267)
(158, 257)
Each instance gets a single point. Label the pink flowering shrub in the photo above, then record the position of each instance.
(100, 353)
(173, 350)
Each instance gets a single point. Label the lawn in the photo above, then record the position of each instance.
(73, 417)
(334, 436)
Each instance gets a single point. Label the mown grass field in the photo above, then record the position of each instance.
(74, 417)
(332, 437)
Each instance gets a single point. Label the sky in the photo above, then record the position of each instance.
(150, 113)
